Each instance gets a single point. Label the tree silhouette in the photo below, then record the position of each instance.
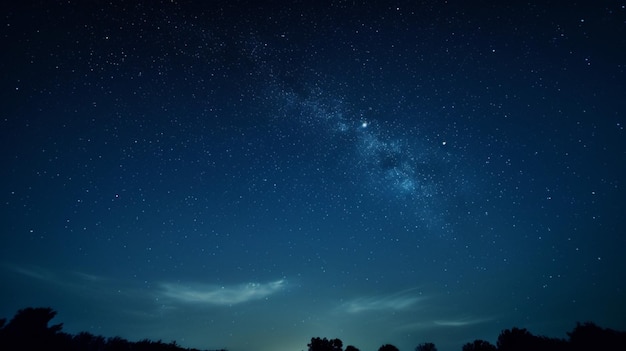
(88, 342)
(318, 344)
(34, 321)
(515, 340)
(427, 346)
(351, 348)
(118, 344)
(589, 336)
(551, 344)
(479, 345)
(521, 339)
(388, 347)
(29, 330)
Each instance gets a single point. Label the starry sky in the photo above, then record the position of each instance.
(247, 176)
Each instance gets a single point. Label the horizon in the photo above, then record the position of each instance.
(581, 331)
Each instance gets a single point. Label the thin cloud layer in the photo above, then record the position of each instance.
(460, 322)
(401, 301)
(221, 295)
(444, 323)
(34, 272)
(69, 278)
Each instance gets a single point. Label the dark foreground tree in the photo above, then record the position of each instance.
(479, 345)
(589, 336)
(351, 348)
(33, 321)
(427, 346)
(388, 347)
(324, 344)
(88, 341)
(29, 330)
(515, 339)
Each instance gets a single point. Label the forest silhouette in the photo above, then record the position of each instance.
(30, 330)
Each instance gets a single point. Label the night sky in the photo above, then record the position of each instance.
(244, 176)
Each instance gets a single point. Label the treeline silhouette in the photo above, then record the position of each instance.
(584, 337)
(29, 330)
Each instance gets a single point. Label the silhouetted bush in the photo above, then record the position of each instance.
(388, 347)
(324, 344)
(29, 331)
(521, 339)
(479, 345)
(515, 340)
(427, 346)
(88, 342)
(589, 336)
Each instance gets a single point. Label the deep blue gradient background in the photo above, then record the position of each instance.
(250, 176)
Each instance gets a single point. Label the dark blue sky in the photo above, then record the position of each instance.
(250, 176)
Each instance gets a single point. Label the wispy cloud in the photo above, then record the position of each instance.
(399, 301)
(221, 295)
(71, 282)
(89, 277)
(34, 272)
(444, 323)
(55, 277)
(461, 322)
